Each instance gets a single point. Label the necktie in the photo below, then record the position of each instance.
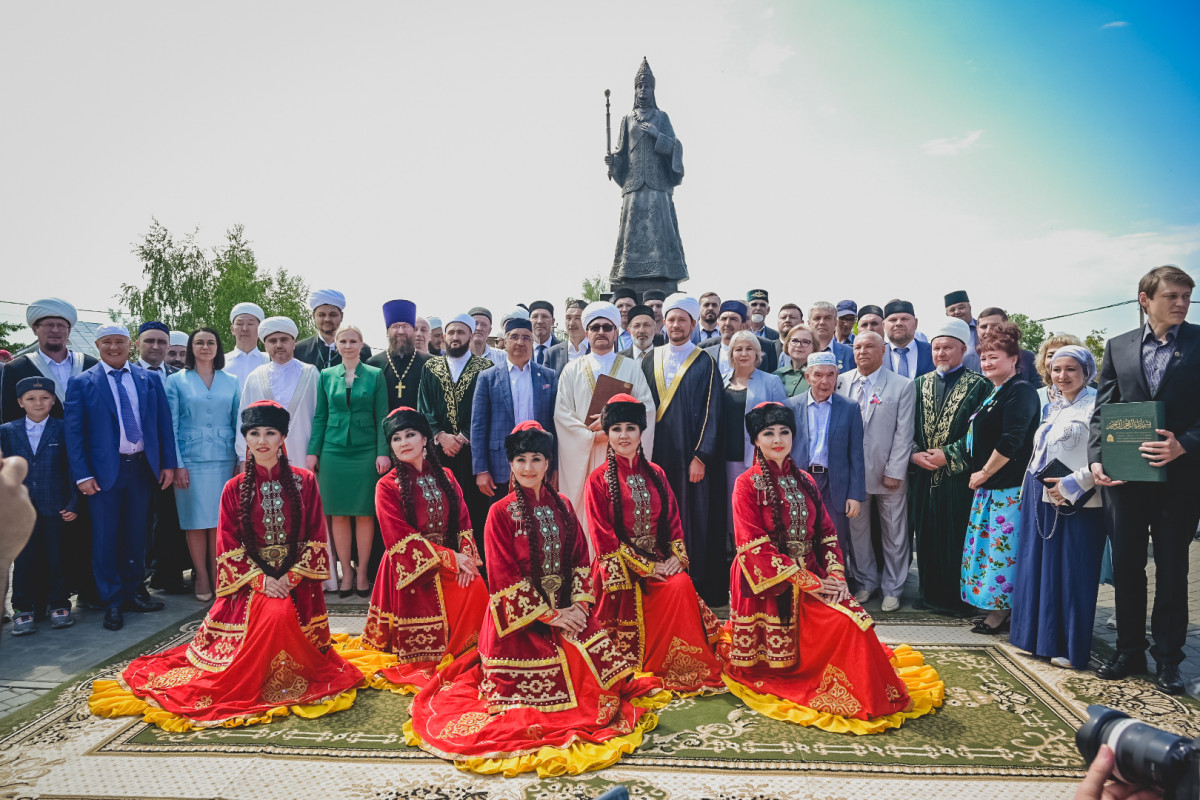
(541, 354)
(860, 395)
(133, 431)
(902, 367)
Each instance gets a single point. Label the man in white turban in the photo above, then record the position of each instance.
(286, 380)
(327, 307)
(51, 320)
(245, 357)
(582, 445)
(177, 351)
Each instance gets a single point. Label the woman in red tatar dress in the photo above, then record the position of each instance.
(264, 648)
(645, 599)
(547, 689)
(801, 649)
(429, 598)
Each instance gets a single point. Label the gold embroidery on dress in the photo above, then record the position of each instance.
(643, 520)
(937, 425)
(171, 678)
(682, 665)
(284, 683)
(834, 694)
(455, 391)
(203, 702)
(435, 505)
(893, 694)
(607, 707)
(468, 724)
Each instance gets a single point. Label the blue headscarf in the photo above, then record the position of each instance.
(1083, 356)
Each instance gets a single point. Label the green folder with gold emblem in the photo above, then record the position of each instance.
(1123, 428)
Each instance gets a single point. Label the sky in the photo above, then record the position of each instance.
(1041, 156)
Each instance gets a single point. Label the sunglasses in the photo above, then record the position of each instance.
(607, 327)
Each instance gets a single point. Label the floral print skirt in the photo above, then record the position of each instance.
(990, 553)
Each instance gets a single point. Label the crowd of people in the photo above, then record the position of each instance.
(569, 514)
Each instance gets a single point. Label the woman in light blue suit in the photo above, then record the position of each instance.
(204, 412)
(745, 388)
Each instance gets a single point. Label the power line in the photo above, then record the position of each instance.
(89, 310)
(1086, 311)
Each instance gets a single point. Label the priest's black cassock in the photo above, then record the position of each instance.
(394, 366)
(688, 412)
(316, 351)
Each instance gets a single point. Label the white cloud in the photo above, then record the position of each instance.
(1117, 24)
(768, 57)
(952, 146)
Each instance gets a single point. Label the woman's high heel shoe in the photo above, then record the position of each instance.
(349, 577)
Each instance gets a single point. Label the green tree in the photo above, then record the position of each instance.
(1032, 332)
(594, 287)
(7, 329)
(1095, 342)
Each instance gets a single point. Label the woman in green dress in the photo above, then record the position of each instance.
(796, 349)
(348, 452)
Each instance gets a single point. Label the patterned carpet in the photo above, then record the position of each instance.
(1007, 725)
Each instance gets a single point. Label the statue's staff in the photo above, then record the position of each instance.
(608, 131)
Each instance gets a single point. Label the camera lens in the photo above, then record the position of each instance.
(1145, 756)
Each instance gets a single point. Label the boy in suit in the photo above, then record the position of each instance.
(39, 579)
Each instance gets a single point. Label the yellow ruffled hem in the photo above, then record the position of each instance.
(703, 691)
(925, 689)
(574, 759)
(111, 699)
(372, 663)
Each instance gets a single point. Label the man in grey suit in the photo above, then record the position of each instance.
(887, 403)
(575, 345)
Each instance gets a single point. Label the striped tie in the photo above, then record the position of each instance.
(133, 431)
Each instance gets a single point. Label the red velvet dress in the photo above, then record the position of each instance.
(791, 655)
(534, 696)
(418, 611)
(662, 626)
(254, 656)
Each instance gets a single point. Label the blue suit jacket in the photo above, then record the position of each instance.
(924, 357)
(49, 480)
(845, 355)
(847, 476)
(492, 416)
(94, 434)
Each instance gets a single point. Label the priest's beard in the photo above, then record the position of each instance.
(457, 351)
(402, 346)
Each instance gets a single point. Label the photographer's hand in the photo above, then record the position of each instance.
(1093, 785)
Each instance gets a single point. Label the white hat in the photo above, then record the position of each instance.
(601, 309)
(682, 301)
(326, 297)
(822, 359)
(465, 319)
(178, 339)
(434, 323)
(247, 308)
(516, 313)
(277, 325)
(111, 329)
(953, 327)
(50, 307)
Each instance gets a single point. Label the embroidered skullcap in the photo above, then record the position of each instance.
(517, 323)
(247, 308)
(1084, 357)
(265, 414)
(764, 415)
(326, 297)
(400, 311)
(405, 418)
(957, 297)
(50, 307)
(463, 319)
(529, 437)
(953, 327)
(876, 310)
(757, 294)
(481, 311)
(153, 325)
(847, 308)
(544, 305)
(822, 359)
(736, 306)
(434, 323)
(623, 408)
(683, 302)
(110, 329)
(898, 307)
(178, 339)
(26, 385)
(601, 310)
(277, 325)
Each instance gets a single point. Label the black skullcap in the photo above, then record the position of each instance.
(623, 292)
(898, 307)
(543, 305)
(957, 297)
(515, 323)
(638, 311)
(653, 294)
(876, 310)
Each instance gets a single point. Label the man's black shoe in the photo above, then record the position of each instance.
(113, 619)
(142, 593)
(1168, 680)
(137, 604)
(168, 586)
(1122, 666)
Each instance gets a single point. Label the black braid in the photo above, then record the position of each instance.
(404, 483)
(614, 495)
(663, 540)
(567, 529)
(534, 537)
(404, 486)
(783, 600)
(249, 484)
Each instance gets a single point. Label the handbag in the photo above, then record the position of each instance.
(1057, 469)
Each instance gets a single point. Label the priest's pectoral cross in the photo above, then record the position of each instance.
(400, 390)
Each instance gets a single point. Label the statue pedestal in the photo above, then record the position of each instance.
(643, 285)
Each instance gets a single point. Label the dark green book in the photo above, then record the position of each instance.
(1123, 428)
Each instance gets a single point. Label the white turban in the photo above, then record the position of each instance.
(111, 329)
(277, 325)
(953, 327)
(326, 297)
(247, 308)
(465, 319)
(516, 313)
(178, 339)
(682, 301)
(601, 310)
(50, 307)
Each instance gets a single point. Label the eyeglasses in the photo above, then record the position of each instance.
(801, 341)
(519, 339)
(606, 327)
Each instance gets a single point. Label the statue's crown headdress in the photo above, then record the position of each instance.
(644, 74)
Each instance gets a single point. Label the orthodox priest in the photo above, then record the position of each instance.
(445, 397)
(401, 363)
(582, 444)
(686, 386)
(939, 499)
(647, 165)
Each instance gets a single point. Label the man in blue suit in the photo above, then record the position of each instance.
(119, 445)
(822, 320)
(519, 390)
(829, 446)
(905, 355)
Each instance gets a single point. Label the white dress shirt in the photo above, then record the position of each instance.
(675, 356)
(33, 432)
(240, 363)
(818, 429)
(910, 357)
(283, 379)
(574, 352)
(498, 357)
(520, 382)
(639, 354)
(60, 369)
(127, 447)
(723, 361)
